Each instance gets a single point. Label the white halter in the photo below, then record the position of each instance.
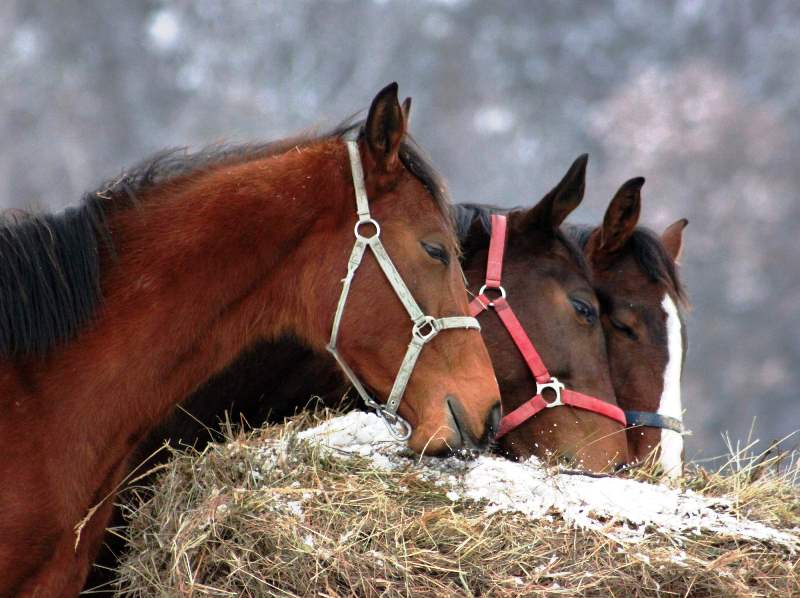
(424, 327)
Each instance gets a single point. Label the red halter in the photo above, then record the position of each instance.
(563, 396)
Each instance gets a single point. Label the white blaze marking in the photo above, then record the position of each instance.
(670, 405)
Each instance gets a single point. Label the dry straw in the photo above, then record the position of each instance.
(268, 515)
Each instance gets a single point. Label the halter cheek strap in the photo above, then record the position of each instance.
(424, 327)
(544, 381)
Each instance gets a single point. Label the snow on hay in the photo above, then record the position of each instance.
(623, 508)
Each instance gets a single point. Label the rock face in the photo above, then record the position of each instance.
(697, 99)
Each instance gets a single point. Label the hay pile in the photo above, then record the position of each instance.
(341, 510)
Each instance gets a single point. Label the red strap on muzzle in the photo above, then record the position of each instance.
(544, 382)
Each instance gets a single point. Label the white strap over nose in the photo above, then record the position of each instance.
(424, 327)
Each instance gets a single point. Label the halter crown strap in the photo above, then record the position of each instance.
(497, 246)
(362, 201)
(544, 381)
(424, 327)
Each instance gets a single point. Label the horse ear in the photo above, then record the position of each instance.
(407, 110)
(622, 216)
(386, 126)
(554, 207)
(672, 238)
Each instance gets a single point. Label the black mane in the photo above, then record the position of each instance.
(49, 277)
(50, 263)
(650, 254)
(467, 214)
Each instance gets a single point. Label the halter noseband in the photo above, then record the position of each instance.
(544, 381)
(424, 327)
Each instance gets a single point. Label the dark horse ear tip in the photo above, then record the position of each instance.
(579, 165)
(633, 185)
(638, 181)
(576, 174)
(391, 88)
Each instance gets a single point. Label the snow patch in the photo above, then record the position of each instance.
(625, 509)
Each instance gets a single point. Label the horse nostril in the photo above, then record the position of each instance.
(493, 422)
(459, 419)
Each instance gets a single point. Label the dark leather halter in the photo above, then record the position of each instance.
(651, 419)
(544, 381)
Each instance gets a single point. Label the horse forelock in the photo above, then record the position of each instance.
(650, 254)
(466, 215)
(653, 258)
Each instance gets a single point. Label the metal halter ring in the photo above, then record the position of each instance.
(482, 290)
(374, 223)
(553, 385)
(425, 336)
(397, 426)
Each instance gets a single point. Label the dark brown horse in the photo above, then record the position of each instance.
(643, 300)
(117, 310)
(548, 283)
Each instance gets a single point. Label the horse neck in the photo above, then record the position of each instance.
(204, 268)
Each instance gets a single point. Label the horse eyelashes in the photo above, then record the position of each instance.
(436, 252)
(626, 330)
(585, 310)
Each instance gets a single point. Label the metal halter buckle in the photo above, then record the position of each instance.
(553, 385)
(425, 329)
(482, 290)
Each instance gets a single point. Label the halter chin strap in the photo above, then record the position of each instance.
(544, 381)
(424, 327)
(654, 420)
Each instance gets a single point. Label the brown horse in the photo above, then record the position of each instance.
(643, 300)
(545, 270)
(547, 281)
(549, 284)
(117, 310)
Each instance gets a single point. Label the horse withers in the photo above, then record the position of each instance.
(643, 304)
(117, 310)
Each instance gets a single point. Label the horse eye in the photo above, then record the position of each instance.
(585, 310)
(626, 330)
(436, 252)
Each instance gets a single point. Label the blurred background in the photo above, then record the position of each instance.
(701, 98)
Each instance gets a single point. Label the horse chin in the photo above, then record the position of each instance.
(440, 442)
(444, 441)
(598, 462)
